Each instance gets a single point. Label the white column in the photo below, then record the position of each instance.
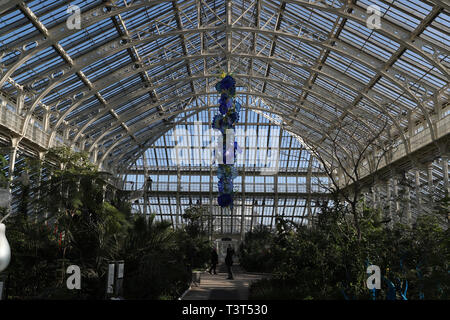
(20, 102)
(408, 205)
(430, 180)
(104, 192)
(94, 155)
(243, 205)
(229, 38)
(396, 202)
(211, 208)
(177, 219)
(36, 206)
(46, 120)
(445, 176)
(12, 159)
(308, 191)
(417, 190)
(146, 186)
(66, 132)
(275, 202)
(388, 199)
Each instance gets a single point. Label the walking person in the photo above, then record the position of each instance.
(229, 261)
(214, 261)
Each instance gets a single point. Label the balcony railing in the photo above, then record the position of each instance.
(204, 187)
(14, 122)
(417, 141)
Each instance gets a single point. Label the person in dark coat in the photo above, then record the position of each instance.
(229, 261)
(214, 261)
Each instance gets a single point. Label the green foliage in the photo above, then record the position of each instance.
(329, 261)
(196, 217)
(154, 267)
(71, 222)
(33, 261)
(160, 260)
(71, 162)
(63, 219)
(257, 254)
(194, 237)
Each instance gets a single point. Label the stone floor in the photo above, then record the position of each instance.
(218, 287)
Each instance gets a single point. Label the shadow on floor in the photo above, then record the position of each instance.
(218, 287)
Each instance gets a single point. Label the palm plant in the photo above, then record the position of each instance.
(73, 224)
(153, 260)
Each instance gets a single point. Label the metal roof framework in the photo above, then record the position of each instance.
(138, 69)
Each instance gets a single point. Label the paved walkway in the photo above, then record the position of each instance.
(218, 287)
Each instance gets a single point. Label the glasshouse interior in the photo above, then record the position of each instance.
(224, 149)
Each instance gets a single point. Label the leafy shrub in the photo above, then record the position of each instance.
(63, 218)
(257, 252)
(329, 260)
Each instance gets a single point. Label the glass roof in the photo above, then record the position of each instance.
(182, 170)
(135, 72)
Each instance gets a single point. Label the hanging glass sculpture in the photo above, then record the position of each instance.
(225, 122)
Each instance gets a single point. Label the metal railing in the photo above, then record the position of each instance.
(14, 122)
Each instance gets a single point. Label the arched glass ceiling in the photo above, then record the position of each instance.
(277, 174)
(190, 146)
(135, 67)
